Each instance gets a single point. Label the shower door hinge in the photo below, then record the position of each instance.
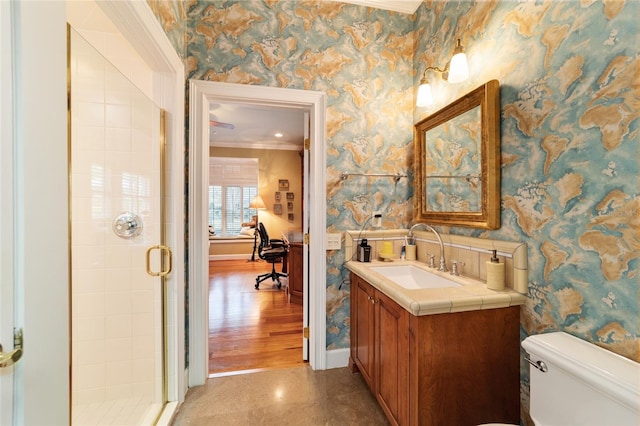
(18, 338)
(305, 332)
(306, 238)
(307, 144)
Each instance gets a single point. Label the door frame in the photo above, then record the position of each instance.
(201, 93)
(306, 158)
(6, 207)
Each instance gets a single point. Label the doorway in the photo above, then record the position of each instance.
(201, 93)
(255, 325)
(250, 330)
(117, 291)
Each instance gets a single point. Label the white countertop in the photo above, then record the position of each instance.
(473, 295)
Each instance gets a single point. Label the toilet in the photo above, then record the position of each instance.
(574, 382)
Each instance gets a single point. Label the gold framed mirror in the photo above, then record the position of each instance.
(457, 162)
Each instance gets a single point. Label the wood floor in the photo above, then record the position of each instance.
(248, 328)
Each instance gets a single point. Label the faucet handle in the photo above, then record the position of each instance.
(432, 260)
(454, 267)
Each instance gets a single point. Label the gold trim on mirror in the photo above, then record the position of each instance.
(457, 162)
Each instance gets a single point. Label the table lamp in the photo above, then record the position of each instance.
(256, 204)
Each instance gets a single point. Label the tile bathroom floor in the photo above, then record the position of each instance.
(288, 396)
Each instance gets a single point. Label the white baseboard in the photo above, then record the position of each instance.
(338, 358)
(229, 256)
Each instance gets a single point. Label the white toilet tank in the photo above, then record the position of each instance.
(584, 384)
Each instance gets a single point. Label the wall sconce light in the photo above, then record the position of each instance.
(456, 71)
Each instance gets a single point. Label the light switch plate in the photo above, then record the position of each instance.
(334, 241)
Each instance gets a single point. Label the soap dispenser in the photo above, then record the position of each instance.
(495, 273)
(364, 251)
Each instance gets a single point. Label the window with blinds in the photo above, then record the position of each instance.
(233, 182)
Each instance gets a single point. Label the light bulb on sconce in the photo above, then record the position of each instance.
(455, 71)
(458, 68)
(425, 97)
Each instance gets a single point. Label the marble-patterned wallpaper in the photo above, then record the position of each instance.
(362, 59)
(173, 18)
(570, 102)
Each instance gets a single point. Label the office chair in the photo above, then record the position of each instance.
(273, 251)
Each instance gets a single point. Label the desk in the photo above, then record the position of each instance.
(294, 259)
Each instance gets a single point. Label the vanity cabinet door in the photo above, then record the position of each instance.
(392, 358)
(362, 327)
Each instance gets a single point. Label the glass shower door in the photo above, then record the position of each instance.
(117, 306)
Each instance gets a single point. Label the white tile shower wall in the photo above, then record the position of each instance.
(115, 313)
(87, 14)
(119, 53)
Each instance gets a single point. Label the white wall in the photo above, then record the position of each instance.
(41, 213)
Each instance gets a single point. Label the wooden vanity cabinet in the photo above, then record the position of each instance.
(459, 368)
(379, 347)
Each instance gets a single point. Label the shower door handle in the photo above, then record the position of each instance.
(163, 249)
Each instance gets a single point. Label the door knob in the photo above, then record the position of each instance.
(9, 358)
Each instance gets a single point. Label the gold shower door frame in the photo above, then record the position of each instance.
(140, 400)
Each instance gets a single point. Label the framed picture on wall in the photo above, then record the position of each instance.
(290, 216)
(277, 196)
(290, 205)
(277, 208)
(289, 195)
(283, 184)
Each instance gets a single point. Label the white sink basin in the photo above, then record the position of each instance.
(413, 278)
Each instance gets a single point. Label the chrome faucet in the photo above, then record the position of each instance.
(443, 263)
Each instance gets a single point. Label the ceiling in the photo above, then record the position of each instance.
(256, 125)
(404, 6)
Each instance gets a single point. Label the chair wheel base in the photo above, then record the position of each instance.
(275, 277)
